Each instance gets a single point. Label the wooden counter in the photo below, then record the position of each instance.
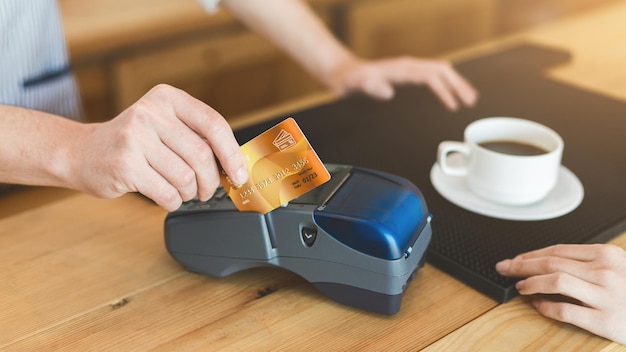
(79, 273)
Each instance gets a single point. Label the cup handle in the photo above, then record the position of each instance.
(448, 147)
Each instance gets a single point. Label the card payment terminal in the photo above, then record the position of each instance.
(359, 238)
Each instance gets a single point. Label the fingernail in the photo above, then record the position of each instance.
(241, 176)
(520, 285)
(503, 266)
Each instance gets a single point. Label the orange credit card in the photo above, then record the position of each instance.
(282, 166)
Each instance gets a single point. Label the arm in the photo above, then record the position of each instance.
(164, 146)
(594, 275)
(294, 28)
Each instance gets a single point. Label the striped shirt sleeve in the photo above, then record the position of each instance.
(34, 65)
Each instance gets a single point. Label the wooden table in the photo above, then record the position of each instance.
(79, 273)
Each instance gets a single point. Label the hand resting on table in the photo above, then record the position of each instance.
(593, 274)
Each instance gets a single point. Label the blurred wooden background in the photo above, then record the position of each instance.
(121, 48)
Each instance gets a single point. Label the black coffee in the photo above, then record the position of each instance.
(513, 148)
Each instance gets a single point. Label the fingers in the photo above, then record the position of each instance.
(583, 317)
(185, 159)
(160, 190)
(164, 146)
(519, 267)
(608, 323)
(594, 308)
(587, 273)
(563, 284)
(582, 252)
(178, 171)
(544, 260)
(212, 138)
(459, 85)
(443, 91)
(588, 262)
(379, 89)
(376, 78)
(592, 275)
(447, 84)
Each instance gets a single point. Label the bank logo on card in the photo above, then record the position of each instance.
(282, 166)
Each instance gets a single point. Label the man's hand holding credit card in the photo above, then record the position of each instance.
(282, 166)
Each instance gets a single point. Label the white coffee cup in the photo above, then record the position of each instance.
(503, 177)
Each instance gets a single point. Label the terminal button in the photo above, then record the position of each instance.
(308, 236)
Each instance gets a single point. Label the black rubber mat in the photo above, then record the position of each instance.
(401, 137)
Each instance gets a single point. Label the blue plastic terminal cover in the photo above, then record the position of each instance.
(377, 214)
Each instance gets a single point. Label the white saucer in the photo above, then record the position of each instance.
(565, 197)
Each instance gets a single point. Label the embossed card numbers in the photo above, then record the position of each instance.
(282, 166)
